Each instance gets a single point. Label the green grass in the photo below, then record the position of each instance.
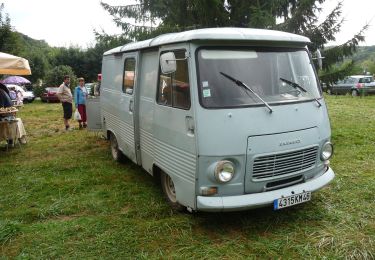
(62, 196)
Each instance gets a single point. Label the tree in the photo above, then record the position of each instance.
(154, 17)
(94, 55)
(9, 40)
(38, 64)
(56, 76)
(301, 17)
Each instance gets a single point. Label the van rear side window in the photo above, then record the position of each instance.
(174, 88)
(129, 73)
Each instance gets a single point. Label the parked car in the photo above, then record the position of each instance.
(50, 95)
(90, 88)
(28, 96)
(355, 85)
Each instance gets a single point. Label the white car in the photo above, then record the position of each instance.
(28, 96)
(89, 87)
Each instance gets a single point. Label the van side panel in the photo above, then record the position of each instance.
(115, 105)
(146, 102)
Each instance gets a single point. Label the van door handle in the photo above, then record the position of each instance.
(131, 103)
(190, 128)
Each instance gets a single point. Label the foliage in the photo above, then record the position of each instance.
(37, 53)
(9, 40)
(72, 57)
(152, 18)
(62, 196)
(38, 90)
(39, 65)
(43, 58)
(364, 58)
(345, 69)
(364, 53)
(55, 76)
(94, 55)
(362, 62)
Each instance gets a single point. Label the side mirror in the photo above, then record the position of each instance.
(319, 58)
(168, 63)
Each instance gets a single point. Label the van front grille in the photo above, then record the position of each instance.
(276, 165)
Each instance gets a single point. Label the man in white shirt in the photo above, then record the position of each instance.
(65, 95)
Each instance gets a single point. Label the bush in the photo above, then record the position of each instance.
(38, 90)
(55, 76)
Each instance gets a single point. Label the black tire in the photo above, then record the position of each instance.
(117, 155)
(354, 93)
(169, 192)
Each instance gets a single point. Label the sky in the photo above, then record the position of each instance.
(64, 23)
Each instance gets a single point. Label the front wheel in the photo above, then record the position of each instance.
(115, 151)
(355, 93)
(170, 191)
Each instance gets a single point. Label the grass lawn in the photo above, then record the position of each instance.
(62, 196)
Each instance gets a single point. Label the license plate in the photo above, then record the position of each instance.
(291, 200)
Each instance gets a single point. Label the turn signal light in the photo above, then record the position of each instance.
(207, 191)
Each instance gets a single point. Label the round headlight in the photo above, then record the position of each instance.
(327, 151)
(224, 171)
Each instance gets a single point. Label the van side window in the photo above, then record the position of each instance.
(174, 88)
(129, 73)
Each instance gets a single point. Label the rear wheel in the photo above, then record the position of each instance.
(170, 191)
(115, 151)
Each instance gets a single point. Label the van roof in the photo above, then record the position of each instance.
(214, 34)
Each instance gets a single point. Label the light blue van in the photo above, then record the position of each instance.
(228, 118)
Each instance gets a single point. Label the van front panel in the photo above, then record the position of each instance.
(260, 109)
(253, 133)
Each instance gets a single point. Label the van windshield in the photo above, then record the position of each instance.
(272, 73)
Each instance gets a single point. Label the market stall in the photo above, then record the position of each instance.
(13, 65)
(12, 130)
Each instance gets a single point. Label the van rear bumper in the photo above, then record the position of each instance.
(248, 201)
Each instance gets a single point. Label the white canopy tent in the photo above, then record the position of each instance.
(13, 65)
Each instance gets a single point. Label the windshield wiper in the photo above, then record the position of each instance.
(241, 84)
(293, 84)
(296, 85)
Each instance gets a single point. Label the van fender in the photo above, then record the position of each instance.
(109, 132)
(156, 172)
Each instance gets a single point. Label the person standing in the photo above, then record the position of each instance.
(19, 98)
(13, 94)
(65, 96)
(80, 95)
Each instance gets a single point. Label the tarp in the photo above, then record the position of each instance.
(13, 65)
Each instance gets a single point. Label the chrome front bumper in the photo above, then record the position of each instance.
(256, 200)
